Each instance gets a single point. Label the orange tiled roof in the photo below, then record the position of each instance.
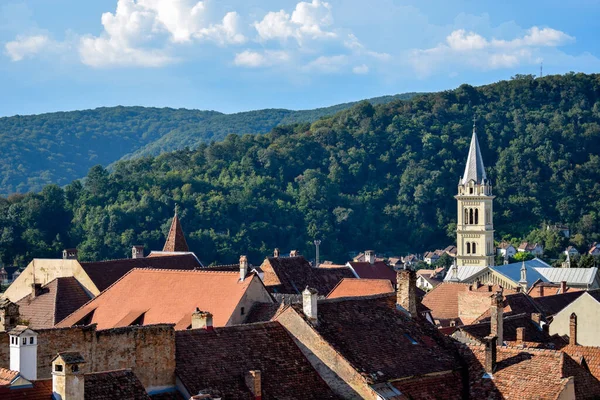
(352, 287)
(589, 354)
(40, 390)
(514, 303)
(7, 376)
(164, 296)
(176, 239)
(542, 289)
(57, 299)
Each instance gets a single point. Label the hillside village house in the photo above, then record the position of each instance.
(506, 250)
(535, 249)
(594, 250)
(571, 251)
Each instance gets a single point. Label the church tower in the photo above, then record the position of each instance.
(475, 225)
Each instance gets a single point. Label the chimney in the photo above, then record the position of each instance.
(476, 285)
(294, 253)
(520, 335)
(540, 290)
(9, 314)
(563, 287)
(276, 253)
(454, 272)
(406, 296)
(36, 289)
(573, 329)
(253, 382)
(490, 355)
(497, 314)
(67, 376)
(70, 254)
(309, 304)
(137, 252)
(23, 351)
(537, 318)
(370, 256)
(202, 320)
(243, 267)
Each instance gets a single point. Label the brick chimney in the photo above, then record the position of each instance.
(276, 253)
(573, 329)
(406, 296)
(67, 376)
(70, 254)
(294, 253)
(253, 382)
(202, 320)
(309, 304)
(490, 355)
(476, 285)
(9, 314)
(520, 335)
(243, 267)
(563, 287)
(137, 252)
(497, 315)
(36, 289)
(370, 256)
(540, 290)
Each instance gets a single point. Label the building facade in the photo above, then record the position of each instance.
(475, 225)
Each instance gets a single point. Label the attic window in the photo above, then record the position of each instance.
(412, 341)
(31, 340)
(58, 368)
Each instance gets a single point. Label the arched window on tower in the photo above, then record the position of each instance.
(466, 216)
(476, 216)
(468, 248)
(471, 216)
(474, 248)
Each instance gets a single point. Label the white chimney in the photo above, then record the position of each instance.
(23, 351)
(309, 303)
(243, 267)
(68, 382)
(202, 320)
(370, 256)
(70, 254)
(137, 252)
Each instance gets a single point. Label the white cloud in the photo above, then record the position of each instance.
(361, 69)
(26, 46)
(328, 64)
(254, 59)
(308, 21)
(463, 48)
(131, 33)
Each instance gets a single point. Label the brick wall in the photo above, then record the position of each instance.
(472, 304)
(148, 350)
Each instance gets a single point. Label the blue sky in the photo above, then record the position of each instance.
(230, 55)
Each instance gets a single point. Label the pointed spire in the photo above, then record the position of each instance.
(176, 238)
(474, 170)
(523, 280)
(454, 272)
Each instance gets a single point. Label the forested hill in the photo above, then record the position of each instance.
(60, 147)
(380, 177)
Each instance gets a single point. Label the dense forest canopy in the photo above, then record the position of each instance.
(60, 147)
(380, 177)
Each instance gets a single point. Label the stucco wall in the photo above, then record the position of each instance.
(256, 293)
(587, 310)
(148, 350)
(472, 304)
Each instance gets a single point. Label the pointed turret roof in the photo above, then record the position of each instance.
(474, 170)
(176, 239)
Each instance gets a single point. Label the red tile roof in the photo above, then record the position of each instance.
(41, 390)
(176, 239)
(54, 302)
(120, 384)
(155, 296)
(377, 270)
(352, 287)
(587, 355)
(516, 303)
(220, 359)
(105, 273)
(548, 289)
(290, 275)
(377, 339)
(445, 386)
(263, 312)
(550, 305)
(7, 376)
(526, 374)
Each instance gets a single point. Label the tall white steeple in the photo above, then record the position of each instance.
(475, 227)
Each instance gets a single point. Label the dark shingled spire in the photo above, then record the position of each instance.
(474, 170)
(176, 239)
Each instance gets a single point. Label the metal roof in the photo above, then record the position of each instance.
(464, 272)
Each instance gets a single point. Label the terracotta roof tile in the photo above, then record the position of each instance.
(41, 390)
(7, 376)
(219, 360)
(371, 334)
(290, 275)
(105, 273)
(377, 270)
(176, 239)
(590, 354)
(516, 303)
(120, 384)
(445, 386)
(263, 312)
(55, 301)
(164, 296)
(352, 287)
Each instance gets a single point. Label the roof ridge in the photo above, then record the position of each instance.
(356, 298)
(204, 270)
(127, 259)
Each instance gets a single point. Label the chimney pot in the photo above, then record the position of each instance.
(137, 252)
(294, 253)
(497, 317)
(253, 382)
(309, 304)
(406, 296)
(276, 253)
(476, 285)
(68, 381)
(490, 354)
(70, 254)
(520, 335)
(243, 267)
(370, 256)
(202, 320)
(573, 329)
(563, 287)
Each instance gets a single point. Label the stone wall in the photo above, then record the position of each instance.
(148, 350)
